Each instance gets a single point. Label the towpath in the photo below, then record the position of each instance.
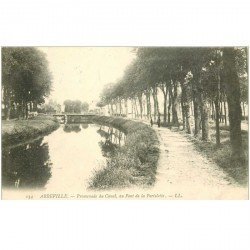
(182, 171)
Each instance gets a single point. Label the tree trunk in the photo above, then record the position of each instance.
(116, 107)
(225, 113)
(148, 104)
(217, 112)
(155, 104)
(136, 109)
(196, 112)
(233, 99)
(244, 111)
(213, 115)
(183, 114)
(217, 108)
(140, 104)
(165, 94)
(169, 103)
(183, 111)
(19, 111)
(165, 110)
(132, 107)
(126, 107)
(120, 106)
(23, 111)
(8, 107)
(35, 106)
(144, 109)
(192, 110)
(217, 121)
(221, 112)
(188, 127)
(204, 116)
(185, 108)
(7, 103)
(26, 111)
(175, 107)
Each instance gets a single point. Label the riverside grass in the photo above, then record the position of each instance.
(135, 162)
(17, 131)
(222, 155)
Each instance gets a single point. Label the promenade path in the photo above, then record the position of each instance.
(183, 171)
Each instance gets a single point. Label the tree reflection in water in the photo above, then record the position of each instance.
(26, 166)
(85, 125)
(113, 139)
(72, 128)
(29, 165)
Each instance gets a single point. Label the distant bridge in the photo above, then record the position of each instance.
(74, 118)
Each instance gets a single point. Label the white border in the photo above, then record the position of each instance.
(124, 224)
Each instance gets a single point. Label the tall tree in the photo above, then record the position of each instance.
(26, 79)
(233, 98)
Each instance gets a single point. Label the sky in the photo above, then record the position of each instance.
(81, 72)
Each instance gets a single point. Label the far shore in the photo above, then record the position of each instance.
(16, 131)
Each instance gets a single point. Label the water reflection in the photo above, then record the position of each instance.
(113, 139)
(72, 128)
(26, 166)
(63, 160)
(85, 125)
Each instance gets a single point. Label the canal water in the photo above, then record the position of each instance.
(62, 161)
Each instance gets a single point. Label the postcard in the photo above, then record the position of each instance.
(124, 123)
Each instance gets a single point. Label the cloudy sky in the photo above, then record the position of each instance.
(81, 72)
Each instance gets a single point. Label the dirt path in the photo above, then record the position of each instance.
(182, 170)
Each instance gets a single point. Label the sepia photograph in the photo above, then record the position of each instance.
(125, 123)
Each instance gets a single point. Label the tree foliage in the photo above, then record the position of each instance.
(192, 80)
(75, 106)
(26, 80)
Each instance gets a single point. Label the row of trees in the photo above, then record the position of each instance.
(26, 80)
(197, 81)
(75, 106)
(51, 107)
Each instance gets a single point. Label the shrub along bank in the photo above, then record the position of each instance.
(17, 131)
(135, 162)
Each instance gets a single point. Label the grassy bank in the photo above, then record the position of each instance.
(132, 164)
(235, 168)
(16, 131)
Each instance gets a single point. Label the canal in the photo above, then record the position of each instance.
(63, 160)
